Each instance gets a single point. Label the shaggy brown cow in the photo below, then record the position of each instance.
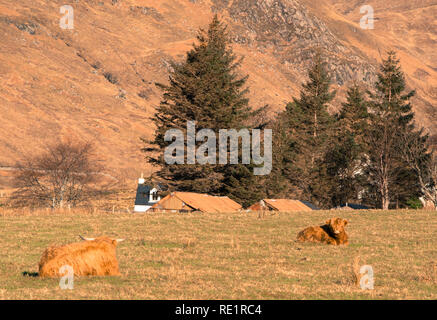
(331, 233)
(92, 257)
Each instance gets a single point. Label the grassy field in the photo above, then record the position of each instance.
(227, 256)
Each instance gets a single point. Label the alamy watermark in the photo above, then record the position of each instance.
(366, 281)
(367, 21)
(206, 153)
(67, 281)
(67, 20)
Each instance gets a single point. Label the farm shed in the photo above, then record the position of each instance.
(282, 205)
(189, 202)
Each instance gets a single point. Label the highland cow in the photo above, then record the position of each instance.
(92, 257)
(331, 233)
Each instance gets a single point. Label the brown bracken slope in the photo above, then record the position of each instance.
(53, 84)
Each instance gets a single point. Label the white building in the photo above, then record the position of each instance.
(146, 196)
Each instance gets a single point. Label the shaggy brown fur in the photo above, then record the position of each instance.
(88, 258)
(331, 233)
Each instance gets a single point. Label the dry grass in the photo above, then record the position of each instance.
(226, 256)
(356, 275)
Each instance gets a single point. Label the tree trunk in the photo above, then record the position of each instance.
(385, 195)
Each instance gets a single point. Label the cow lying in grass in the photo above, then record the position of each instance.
(331, 233)
(92, 257)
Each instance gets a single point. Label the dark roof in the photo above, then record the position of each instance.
(309, 204)
(143, 193)
(355, 206)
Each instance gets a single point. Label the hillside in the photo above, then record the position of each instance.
(96, 82)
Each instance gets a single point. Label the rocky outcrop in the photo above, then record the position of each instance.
(286, 28)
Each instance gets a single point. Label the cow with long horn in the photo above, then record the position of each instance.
(91, 257)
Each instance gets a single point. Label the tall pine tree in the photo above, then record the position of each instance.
(311, 128)
(277, 183)
(341, 169)
(207, 88)
(391, 119)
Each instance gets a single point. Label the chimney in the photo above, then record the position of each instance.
(141, 180)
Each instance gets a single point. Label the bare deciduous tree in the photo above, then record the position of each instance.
(434, 178)
(381, 173)
(61, 176)
(419, 157)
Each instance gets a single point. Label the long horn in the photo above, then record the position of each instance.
(119, 240)
(86, 239)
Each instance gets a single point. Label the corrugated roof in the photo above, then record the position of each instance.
(204, 202)
(285, 205)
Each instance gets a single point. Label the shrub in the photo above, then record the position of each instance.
(110, 77)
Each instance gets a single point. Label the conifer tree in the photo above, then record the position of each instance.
(242, 186)
(391, 119)
(341, 169)
(354, 114)
(207, 88)
(278, 184)
(311, 127)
